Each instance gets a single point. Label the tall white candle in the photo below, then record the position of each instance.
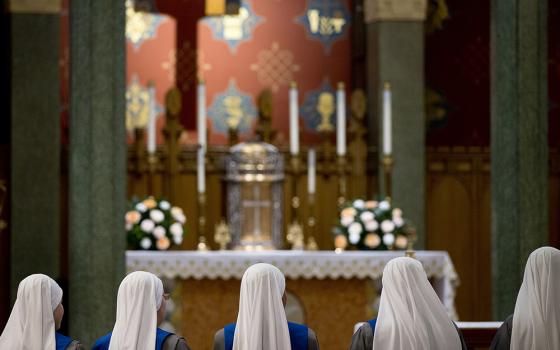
(387, 127)
(294, 125)
(340, 120)
(200, 171)
(152, 120)
(201, 114)
(311, 171)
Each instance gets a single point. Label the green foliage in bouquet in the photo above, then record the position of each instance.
(371, 225)
(154, 225)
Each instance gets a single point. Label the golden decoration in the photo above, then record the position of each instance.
(275, 67)
(202, 246)
(358, 104)
(138, 23)
(232, 105)
(173, 101)
(222, 235)
(295, 236)
(137, 106)
(312, 244)
(325, 107)
(438, 12)
(325, 25)
(170, 65)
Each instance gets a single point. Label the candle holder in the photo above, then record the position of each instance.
(202, 246)
(410, 252)
(387, 163)
(295, 231)
(152, 166)
(311, 223)
(342, 191)
(233, 136)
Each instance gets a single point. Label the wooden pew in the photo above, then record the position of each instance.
(478, 335)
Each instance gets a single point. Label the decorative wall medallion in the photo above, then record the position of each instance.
(318, 109)
(140, 104)
(170, 64)
(325, 21)
(275, 67)
(234, 29)
(232, 109)
(141, 25)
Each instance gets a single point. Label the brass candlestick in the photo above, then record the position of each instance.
(311, 222)
(341, 164)
(152, 166)
(387, 163)
(295, 230)
(202, 246)
(410, 252)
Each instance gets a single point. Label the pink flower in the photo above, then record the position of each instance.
(163, 243)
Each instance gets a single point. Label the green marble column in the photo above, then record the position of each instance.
(395, 36)
(35, 150)
(97, 164)
(519, 143)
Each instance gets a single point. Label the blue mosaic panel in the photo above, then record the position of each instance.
(232, 107)
(234, 30)
(311, 110)
(325, 21)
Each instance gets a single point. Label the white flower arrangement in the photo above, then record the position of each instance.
(151, 224)
(371, 225)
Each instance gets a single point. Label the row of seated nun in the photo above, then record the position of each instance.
(410, 314)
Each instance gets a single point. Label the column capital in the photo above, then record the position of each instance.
(394, 10)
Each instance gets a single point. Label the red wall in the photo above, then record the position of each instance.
(274, 51)
(458, 67)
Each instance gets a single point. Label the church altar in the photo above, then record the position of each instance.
(328, 291)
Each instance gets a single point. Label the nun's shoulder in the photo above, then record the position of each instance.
(312, 341)
(363, 338)
(502, 339)
(219, 340)
(175, 342)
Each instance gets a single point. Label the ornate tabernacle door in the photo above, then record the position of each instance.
(255, 174)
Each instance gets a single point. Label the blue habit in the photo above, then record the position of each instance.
(372, 324)
(62, 341)
(103, 342)
(298, 336)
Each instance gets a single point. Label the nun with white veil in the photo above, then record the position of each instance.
(535, 323)
(36, 316)
(140, 310)
(261, 321)
(411, 316)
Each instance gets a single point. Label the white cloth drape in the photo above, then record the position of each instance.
(261, 322)
(31, 324)
(411, 316)
(536, 319)
(138, 300)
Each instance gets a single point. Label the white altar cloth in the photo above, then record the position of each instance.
(295, 265)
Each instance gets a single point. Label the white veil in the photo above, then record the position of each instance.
(138, 300)
(261, 322)
(411, 316)
(536, 319)
(31, 324)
